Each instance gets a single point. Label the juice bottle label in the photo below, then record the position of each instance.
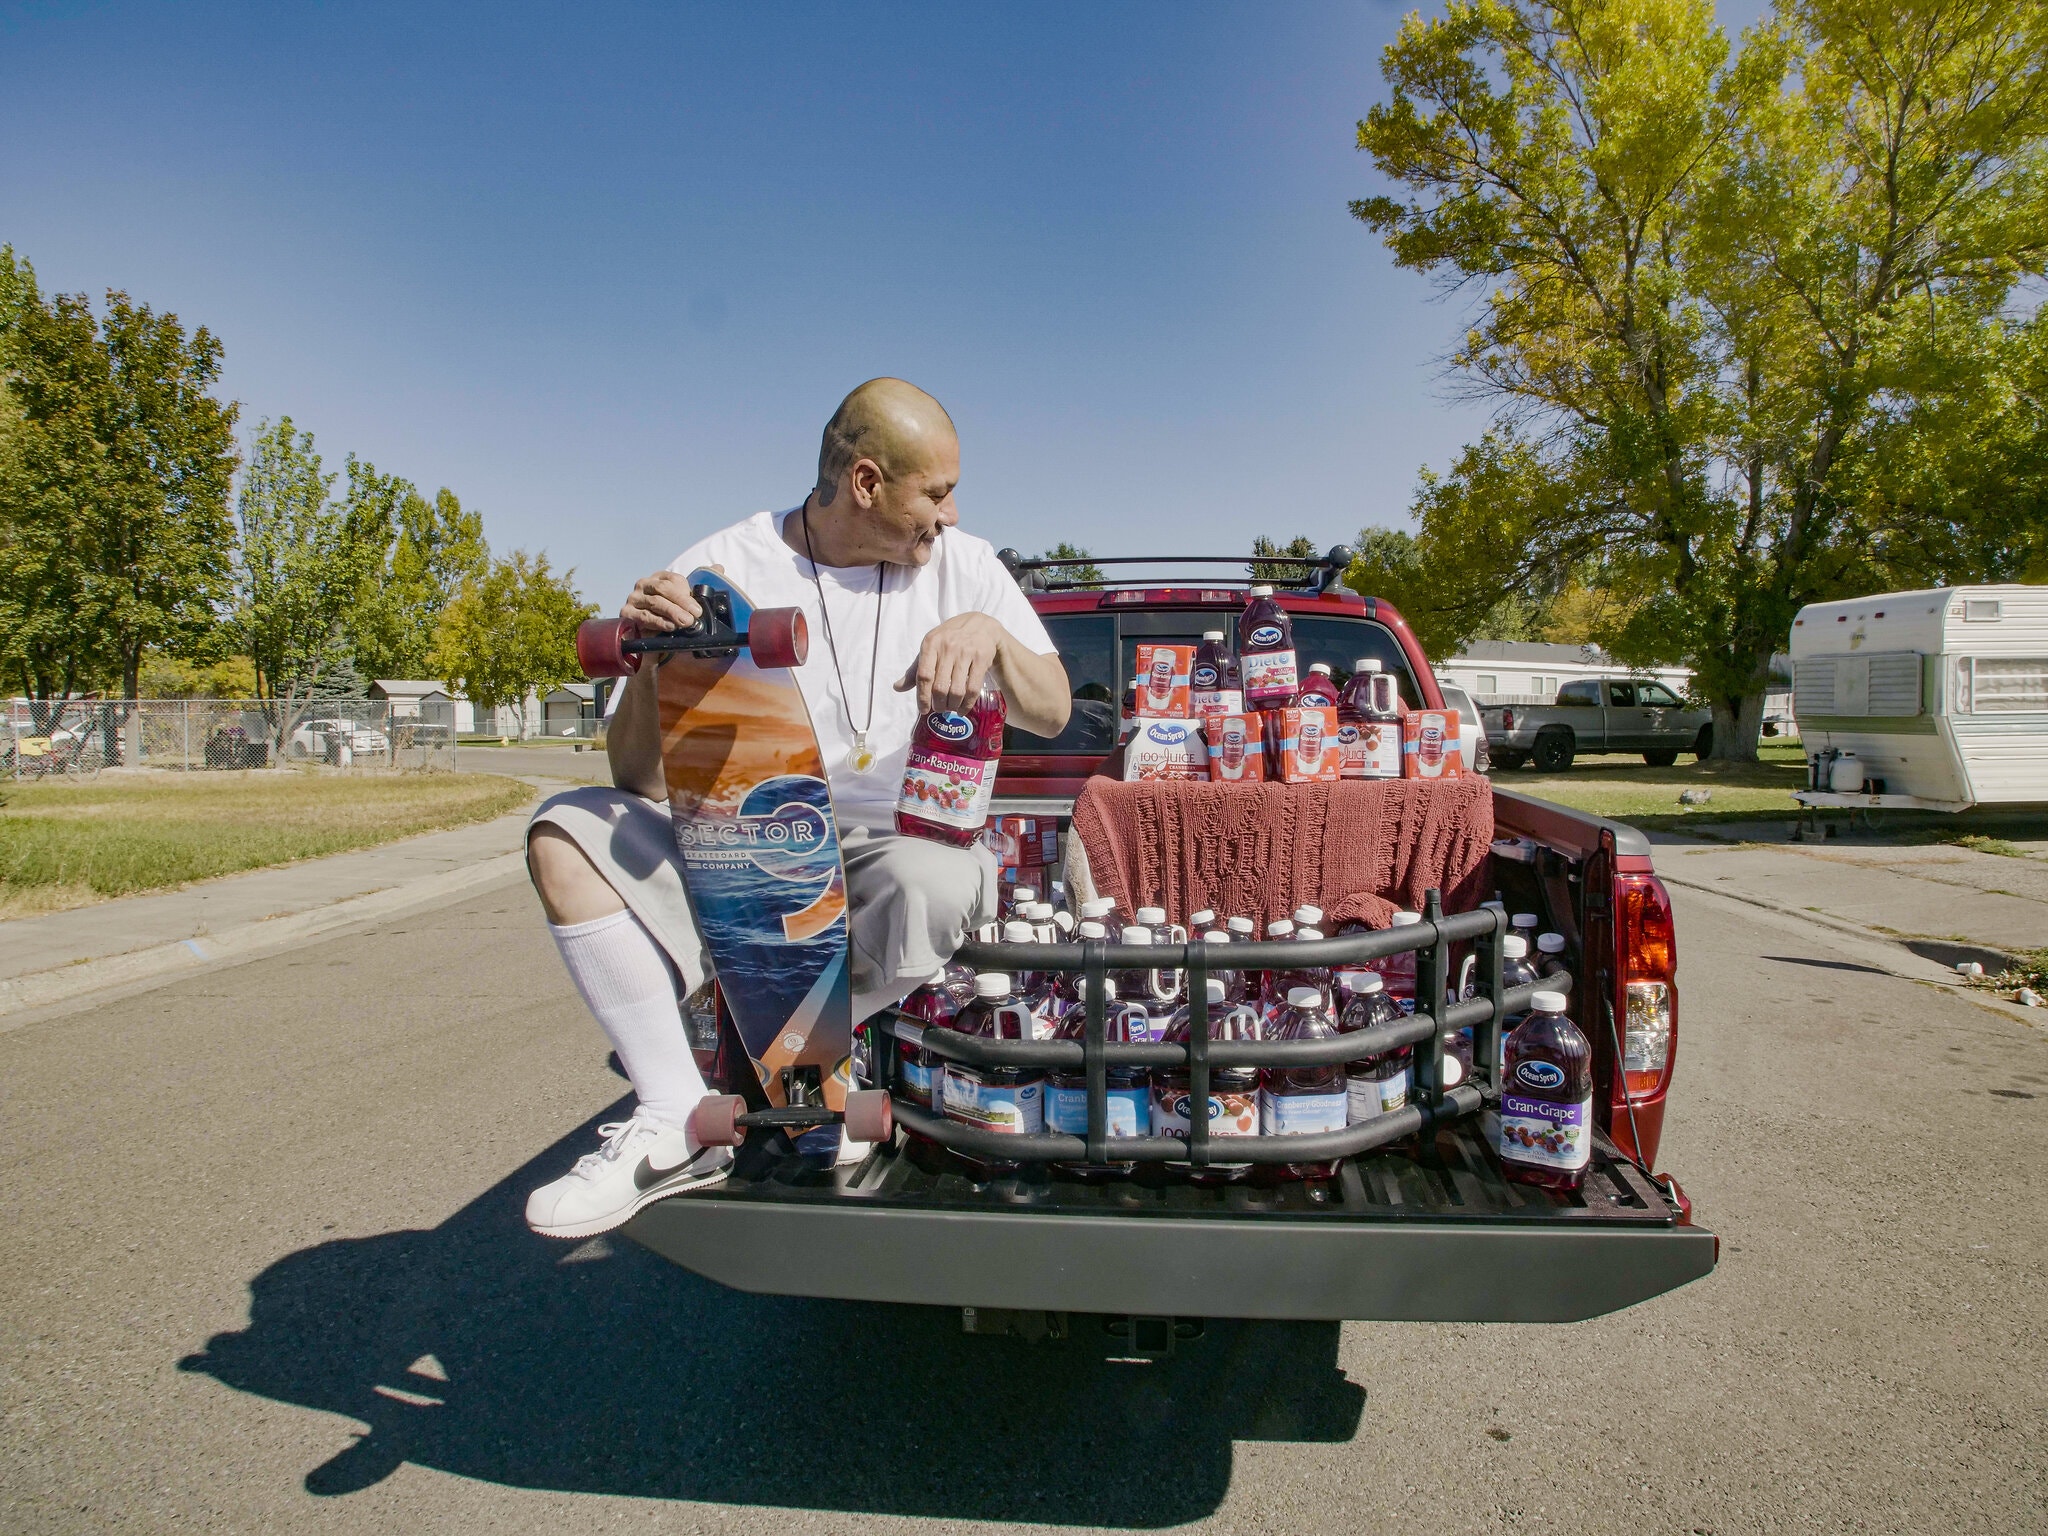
(954, 791)
(1017, 1109)
(1230, 1114)
(1269, 675)
(1371, 1097)
(1543, 1133)
(1066, 1111)
(1300, 1114)
(918, 1081)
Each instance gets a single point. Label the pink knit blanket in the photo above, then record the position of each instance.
(1360, 850)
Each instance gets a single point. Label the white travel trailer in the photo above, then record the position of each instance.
(1942, 697)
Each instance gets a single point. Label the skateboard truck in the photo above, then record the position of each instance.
(723, 1119)
(774, 637)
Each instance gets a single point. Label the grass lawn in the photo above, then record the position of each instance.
(63, 845)
(1623, 787)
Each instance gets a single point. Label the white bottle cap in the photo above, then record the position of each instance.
(1091, 929)
(1206, 918)
(1361, 982)
(1453, 1069)
(1151, 917)
(1262, 591)
(1366, 664)
(1137, 935)
(1550, 943)
(1098, 907)
(1108, 989)
(1493, 906)
(1215, 936)
(1279, 928)
(1406, 919)
(1212, 634)
(1525, 919)
(1514, 946)
(1064, 921)
(1016, 932)
(1215, 990)
(1304, 997)
(992, 984)
(1307, 933)
(1547, 1001)
(1241, 925)
(1308, 915)
(1023, 894)
(1322, 667)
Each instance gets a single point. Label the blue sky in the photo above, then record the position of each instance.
(605, 271)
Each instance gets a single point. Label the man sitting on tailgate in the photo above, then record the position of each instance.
(906, 614)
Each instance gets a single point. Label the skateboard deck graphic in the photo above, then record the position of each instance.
(760, 855)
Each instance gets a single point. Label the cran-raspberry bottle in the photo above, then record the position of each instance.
(951, 774)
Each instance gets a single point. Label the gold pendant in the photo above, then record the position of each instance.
(863, 759)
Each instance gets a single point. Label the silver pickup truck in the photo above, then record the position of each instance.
(1597, 714)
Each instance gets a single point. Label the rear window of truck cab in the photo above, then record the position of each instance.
(1100, 651)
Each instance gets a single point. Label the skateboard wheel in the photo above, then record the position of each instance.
(869, 1115)
(600, 648)
(778, 637)
(715, 1122)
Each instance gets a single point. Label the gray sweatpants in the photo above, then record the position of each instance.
(909, 901)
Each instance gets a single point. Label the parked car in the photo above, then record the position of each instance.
(324, 738)
(1472, 744)
(1598, 714)
(1454, 1241)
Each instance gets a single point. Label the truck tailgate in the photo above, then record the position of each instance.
(1400, 1237)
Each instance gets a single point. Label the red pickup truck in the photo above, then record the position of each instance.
(1429, 1230)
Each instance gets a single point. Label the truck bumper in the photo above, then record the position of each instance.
(1237, 1252)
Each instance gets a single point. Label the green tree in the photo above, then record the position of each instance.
(1286, 573)
(54, 481)
(426, 550)
(1089, 575)
(166, 540)
(1715, 293)
(302, 569)
(1387, 564)
(509, 632)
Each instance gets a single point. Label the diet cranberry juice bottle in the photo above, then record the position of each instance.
(1546, 1099)
(1369, 724)
(1297, 1101)
(1010, 1100)
(1265, 648)
(952, 772)
(1214, 686)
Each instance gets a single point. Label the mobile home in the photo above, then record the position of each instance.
(1942, 695)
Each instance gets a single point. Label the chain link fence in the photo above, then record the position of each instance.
(79, 738)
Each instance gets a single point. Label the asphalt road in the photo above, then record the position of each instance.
(265, 1271)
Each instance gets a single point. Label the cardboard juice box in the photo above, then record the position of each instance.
(1163, 681)
(1429, 745)
(1308, 751)
(1166, 749)
(1237, 748)
(1026, 841)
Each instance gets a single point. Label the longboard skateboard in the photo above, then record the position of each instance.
(759, 851)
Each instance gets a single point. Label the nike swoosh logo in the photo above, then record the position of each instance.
(646, 1176)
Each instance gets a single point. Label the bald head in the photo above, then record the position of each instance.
(894, 423)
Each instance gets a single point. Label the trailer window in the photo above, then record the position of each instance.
(2009, 685)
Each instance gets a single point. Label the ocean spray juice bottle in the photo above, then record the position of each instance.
(1233, 1107)
(1297, 1101)
(951, 773)
(1546, 1099)
(1369, 724)
(1010, 1100)
(1214, 686)
(1129, 1104)
(1265, 650)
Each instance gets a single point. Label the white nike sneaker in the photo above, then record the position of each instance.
(641, 1161)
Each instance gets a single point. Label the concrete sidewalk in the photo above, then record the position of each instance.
(62, 956)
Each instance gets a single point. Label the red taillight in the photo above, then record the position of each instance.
(1649, 986)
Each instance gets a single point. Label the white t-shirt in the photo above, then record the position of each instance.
(962, 576)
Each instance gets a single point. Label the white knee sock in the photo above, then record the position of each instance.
(630, 986)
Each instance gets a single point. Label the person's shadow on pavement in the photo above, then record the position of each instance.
(485, 1351)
